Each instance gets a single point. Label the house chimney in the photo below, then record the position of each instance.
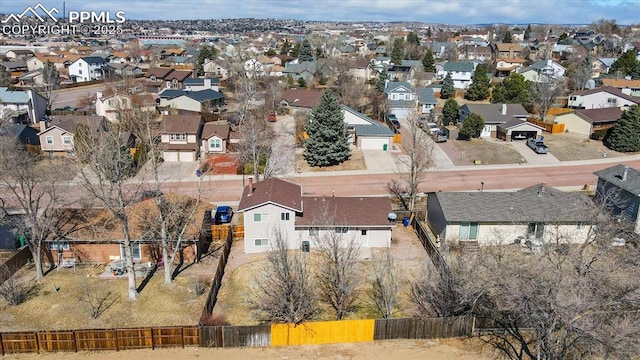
(549, 62)
(43, 125)
(625, 173)
(542, 188)
(250, 184)
(504, 109)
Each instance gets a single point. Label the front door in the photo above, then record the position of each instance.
(364, 238)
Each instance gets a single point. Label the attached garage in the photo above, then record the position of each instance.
(374, 143)
(170, 155)
(182, 156)
(518, 129)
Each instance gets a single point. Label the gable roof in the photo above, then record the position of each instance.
(93, 60)
(613, 175)
(426, 96)
(303, 98)
(69, 123)
(515, 123)
(189, 124)
(538, 203)
(273, 191)
(345, 211)
(608, 89)
(13, 97)
(159, 73)
(600, 115)
(211, 129)
(492, 113)
(179, 75)
(508, 47)
(459, 66)
(373, 128)
(393, 86)
(621, 83)
(25, 134)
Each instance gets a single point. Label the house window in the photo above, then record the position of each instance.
(573, 98)
(535, 230)
(612, 101)
(580, 226)
(135, 251)
(59, 245)
(178, 137)
(49, 140)
(260, 218)
(261, 242)
(215, 144)
(66, 140)
(79, 71)
(363, 232)
(313, 231)
(341, 230)
(468, 231)
(284, 216)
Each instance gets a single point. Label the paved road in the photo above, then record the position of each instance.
(70, 97)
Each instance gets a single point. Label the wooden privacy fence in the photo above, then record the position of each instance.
(212, 297)
(99, 339)
(235, 336)
(322, 332)
(550, 128)
(430, 328)
(14, 263)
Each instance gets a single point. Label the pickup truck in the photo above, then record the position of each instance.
(538, 146)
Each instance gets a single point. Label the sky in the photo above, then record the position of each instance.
(459, 12)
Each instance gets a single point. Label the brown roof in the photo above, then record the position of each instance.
(345, 211)
(621, 83)
(69, 123)
(601, 115)
(179, 75)
(220, 130)
(508, 46)
(611, 90)
(159, 73)
(188, 124)
(302, 97)
(273, 191)
(178, 147)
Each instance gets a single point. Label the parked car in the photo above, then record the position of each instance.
(394, 120)
(223, 215)
(538, 145)
(440, 136)
(432, 127)
(150, 194)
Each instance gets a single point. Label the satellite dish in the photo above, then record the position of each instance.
(392, 216)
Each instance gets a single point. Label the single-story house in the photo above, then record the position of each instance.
(619, 190)
(300, 99)
(366, 133)
(538, 212)
(200, 101)
(587, 121)
(493, 115)
(604, 97)
(277, 205)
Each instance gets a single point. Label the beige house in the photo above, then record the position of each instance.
(56, 135)
(538, 214)
(215, 137)
(276, 204)
(180, 137)
(587, 121)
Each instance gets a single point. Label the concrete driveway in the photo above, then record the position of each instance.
(379, 162)
(532, 158)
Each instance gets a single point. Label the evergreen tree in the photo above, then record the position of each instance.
(471, 127)
(429, 33)
(301, 82)
(306, 53)
(625, 136)
(506, 37)
(450, 112)
(564, 39)
(286, 47)
(479, 88)
(5, 77)
(205, 53)
(328, 142)
(448, 90)
(514, 89)
(382, 80)
(626, 64)
(428, 62)
(412, 38)
(319, 52)
(527, 32)
(295, 51)
(397, 53)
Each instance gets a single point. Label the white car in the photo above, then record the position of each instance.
(432, 127)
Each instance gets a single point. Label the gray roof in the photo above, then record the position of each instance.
(391, 86)
(94, 60)
(374, 128)
(537, 203)
(16, 64)
(13, 97)
(201, 95)
(515, 122)
(200, 81)
(613, 175)
(492, 113)
(459, 66)
(426, 96)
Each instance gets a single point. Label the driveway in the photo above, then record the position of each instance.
(531, 158)
(379, 162)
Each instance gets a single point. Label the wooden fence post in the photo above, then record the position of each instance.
(75, 341)
(117, 341)
(153, 347)
(182, 336)
(37, 342)
(1, 346)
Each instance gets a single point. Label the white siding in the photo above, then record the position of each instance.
(373, 143)
(598, 100)
(494, 234)
(264, 230)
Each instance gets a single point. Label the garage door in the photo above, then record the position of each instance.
(374, 143)
(185, 156)
(170, 156)
(523, 135)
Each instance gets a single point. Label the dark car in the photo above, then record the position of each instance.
(150, 194)
(223, 215)
(394, 120)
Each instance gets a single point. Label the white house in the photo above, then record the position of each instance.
(24, 106)
(253, 67)
(276, 205)
(366, 133)
(197, 84)
(87, 69)
(460, 72)
(543, 71)
(603, 97)
(539, 214)
(402, 98)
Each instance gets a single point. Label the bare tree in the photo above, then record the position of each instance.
(97, 300)
(15, 290)
(337, 265)
(419, 148)
(33, 190)
(284, 291)
(105, 175)
(385, 284)
(543, 94)
(50, 83)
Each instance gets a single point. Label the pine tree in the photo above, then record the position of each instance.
(479, 88)
(429, 32)
(286, 47)
(471, 126)
(397, 53)
(625, 136)
(626, 64)
(328, 142)
(450, 112)
(527, 32)
(412, 38)
(306, 53)
(513, 90)
(5, 77)
(382, 80)
(447, 90)
(428, 62)
(506, 37)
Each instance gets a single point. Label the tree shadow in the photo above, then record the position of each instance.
(147, 278)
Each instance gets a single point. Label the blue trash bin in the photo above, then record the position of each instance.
(405, 221)
(198, 172)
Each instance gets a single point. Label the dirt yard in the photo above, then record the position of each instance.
(355, 162)
(241, 270)
(571, 147)
(60, 303)
(487, 151)
(445, 349)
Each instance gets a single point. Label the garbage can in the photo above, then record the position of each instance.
(405, 221)
(198, 172)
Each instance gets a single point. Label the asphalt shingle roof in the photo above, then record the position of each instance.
(613, 175)
(459, 66)
(426, 96)
(274, 191)
(13, 97)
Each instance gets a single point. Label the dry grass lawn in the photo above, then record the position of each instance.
(242, 269)
(571, 147)
(488, 152)
(158, 305)
(355, 162)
